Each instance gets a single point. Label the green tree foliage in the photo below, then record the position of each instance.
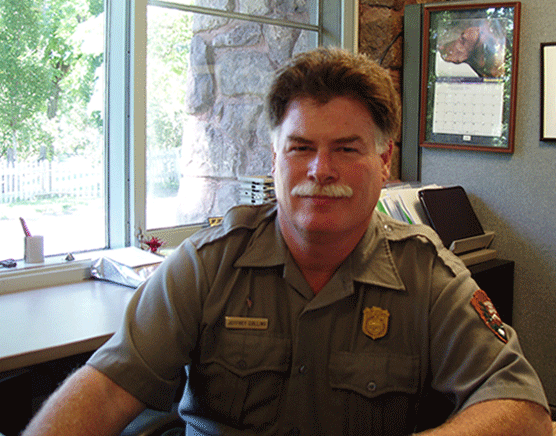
(46, 78)
(24, 77)
(169, 38)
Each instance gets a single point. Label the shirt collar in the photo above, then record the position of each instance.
(371, 262)
(267, 247)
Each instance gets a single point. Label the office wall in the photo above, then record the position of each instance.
(515, 195)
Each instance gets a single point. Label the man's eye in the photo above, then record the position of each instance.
(298, 148)
(348, 149)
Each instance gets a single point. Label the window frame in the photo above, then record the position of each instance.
(125, 137)
(338, 26)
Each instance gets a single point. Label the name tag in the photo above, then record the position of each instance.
(244, 323)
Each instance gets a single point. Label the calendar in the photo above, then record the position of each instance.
(468, 108)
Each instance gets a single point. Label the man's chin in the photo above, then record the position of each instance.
(318, 224)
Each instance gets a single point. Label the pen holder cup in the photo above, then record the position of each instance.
(34, 249)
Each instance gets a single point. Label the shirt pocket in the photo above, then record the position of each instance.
(379, 391)
(242, 379)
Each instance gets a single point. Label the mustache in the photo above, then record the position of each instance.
(311, 189)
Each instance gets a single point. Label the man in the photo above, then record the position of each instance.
(318, 316)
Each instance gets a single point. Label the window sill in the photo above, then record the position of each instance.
(54, 271)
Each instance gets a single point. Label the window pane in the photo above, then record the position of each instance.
(301, 11)
(206, 82)
(51, 124)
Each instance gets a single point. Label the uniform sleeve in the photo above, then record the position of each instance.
(147, 354)
(474, 357)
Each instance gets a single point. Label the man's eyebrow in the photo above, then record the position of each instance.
(342, 140)
(347, 139)
(300, 139)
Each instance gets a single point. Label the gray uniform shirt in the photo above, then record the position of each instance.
(392, 344)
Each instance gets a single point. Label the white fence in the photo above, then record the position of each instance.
(74, 177)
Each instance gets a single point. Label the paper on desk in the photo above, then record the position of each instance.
(127, 266)
(402, 203)
(133, 256)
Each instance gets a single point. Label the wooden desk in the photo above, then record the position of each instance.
(47, 333)
(51, 323)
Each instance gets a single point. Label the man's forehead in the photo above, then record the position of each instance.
(344, 139)
(304, 111)
(314, 103)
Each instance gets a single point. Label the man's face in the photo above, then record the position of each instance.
(330, 145)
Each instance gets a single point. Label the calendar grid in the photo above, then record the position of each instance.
(468, 108)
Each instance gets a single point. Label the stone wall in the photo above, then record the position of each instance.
(230, 66)
(231, 63)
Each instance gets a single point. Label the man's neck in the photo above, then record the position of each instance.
(319, 254)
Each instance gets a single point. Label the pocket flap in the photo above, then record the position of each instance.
(245, 354)
(372, 375)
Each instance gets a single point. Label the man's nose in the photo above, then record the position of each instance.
(322, 168)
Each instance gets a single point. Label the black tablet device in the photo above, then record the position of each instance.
(450, 213)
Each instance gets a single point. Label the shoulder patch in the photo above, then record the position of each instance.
(486, 310)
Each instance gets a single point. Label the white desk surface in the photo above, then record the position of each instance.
(51, 323)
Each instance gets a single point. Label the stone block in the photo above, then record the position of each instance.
(243, 72)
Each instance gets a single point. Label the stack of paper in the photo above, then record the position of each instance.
(401, 201)
(256, 190)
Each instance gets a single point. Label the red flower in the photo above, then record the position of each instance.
(154, 244)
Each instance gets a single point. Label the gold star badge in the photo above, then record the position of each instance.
(375, 322)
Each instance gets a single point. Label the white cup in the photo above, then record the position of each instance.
(34, 249)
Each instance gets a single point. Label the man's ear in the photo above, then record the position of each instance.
(273, 141)
(386, 157)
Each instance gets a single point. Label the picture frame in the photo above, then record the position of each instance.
(469, 76)
(548, 91)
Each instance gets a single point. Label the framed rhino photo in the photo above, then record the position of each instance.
(469, 76)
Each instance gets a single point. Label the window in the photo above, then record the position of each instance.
(51, 129)
(208, 65)
(206, 80)
(182, 116)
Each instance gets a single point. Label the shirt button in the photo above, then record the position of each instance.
(303, 369)
(371, 386)
(242, 364)
(388, 227)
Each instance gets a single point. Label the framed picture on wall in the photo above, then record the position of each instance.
(548, 91)
(468, 86)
